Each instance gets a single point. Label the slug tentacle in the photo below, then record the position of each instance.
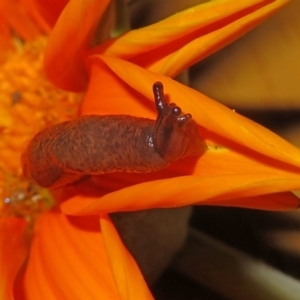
(92, 145)
(175, 134)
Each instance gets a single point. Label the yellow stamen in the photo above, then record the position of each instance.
(28, 103)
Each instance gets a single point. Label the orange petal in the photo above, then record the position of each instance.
(196, 50)
(217, 121)
(220, 177)
(280, 201)
(32, 7)
(5, 35)
(68, 41)
(14, 248)
(49, 9)
(108, 94)
(69, 260)
(179, 41)
(187, 190)
(18, 18)
(130, 282)
(213, 164)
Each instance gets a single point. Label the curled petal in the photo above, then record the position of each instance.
(219, 177)
(250, 177)
(69, 260)
(187, 190)
(69, 39)
(174, 44)
(199, 48)
(14, 248)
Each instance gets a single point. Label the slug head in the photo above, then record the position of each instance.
(175, 133)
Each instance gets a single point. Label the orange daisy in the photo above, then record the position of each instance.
(82, 257)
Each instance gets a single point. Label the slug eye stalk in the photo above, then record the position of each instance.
(175, 134)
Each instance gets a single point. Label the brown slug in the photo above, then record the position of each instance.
(93, 144)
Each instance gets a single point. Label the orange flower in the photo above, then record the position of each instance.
(78, 258)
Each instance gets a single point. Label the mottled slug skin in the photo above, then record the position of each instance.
(92, 145)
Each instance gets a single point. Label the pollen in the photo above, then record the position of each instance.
(28, 103)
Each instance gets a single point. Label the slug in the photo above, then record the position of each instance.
(93, 144)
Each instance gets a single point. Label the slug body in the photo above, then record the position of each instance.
(92, 144)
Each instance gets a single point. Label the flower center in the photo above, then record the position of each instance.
(22, 198)
(28, 103)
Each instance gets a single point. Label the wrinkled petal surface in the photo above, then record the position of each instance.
(14, 248)
(69, 259)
